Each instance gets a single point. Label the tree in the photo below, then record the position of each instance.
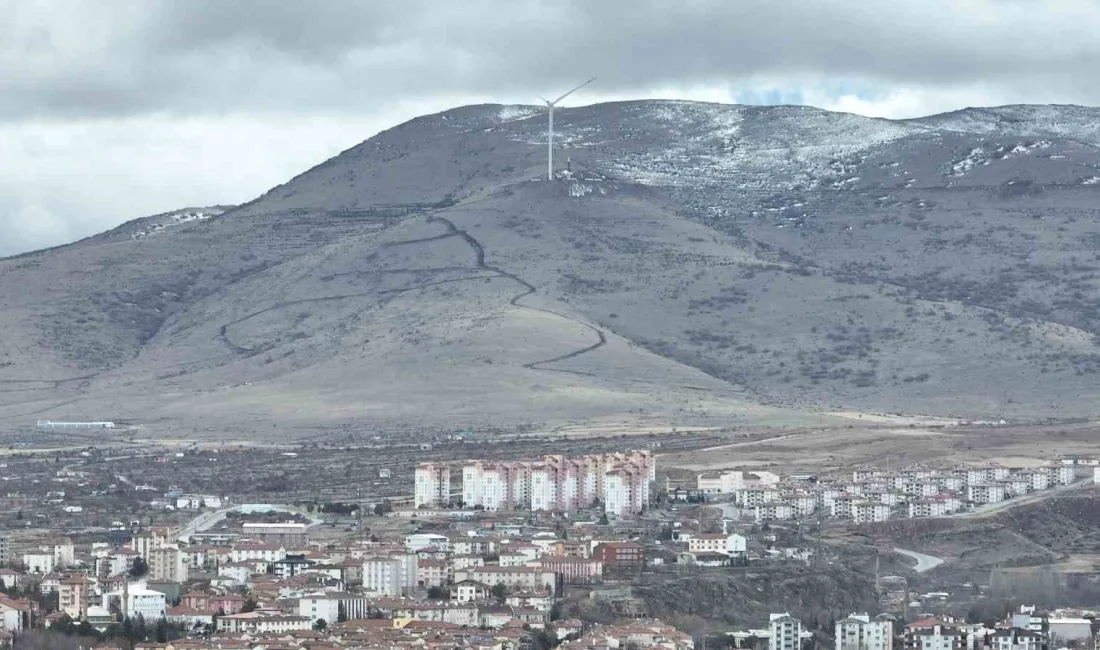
(500, 590)
(320, 625)
(139, 568)
(603, 520)
(341, 612)
(437, 593)
(19, 515)
(248, 606)
(85, 629)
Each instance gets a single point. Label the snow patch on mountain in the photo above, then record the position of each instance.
(161, 222)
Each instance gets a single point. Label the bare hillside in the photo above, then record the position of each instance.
(696, 264)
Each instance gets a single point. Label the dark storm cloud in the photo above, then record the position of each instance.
(114, 58)
(114, 109)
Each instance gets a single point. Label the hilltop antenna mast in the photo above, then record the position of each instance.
(550, 128)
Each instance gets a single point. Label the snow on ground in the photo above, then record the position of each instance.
(518, 112)
(174, 219)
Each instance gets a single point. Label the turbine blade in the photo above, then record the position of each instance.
(572, 91)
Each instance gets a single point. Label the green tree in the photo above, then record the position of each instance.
(603, 520)
(248, 606)
(139, 568)
(437, 593)
(320, 625)
(85, 629)
(341, 612)
(500, 590)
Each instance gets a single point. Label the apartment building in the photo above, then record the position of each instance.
(573, 570)
(167, 564)
(432, 485)
(774, 511)
(934, 637)
(861, 632)
(785, 632)
(732, 544)
(560, 483)
(515, 577)
(382, 576)
(985, 493)
(73, 595)
(1061, 474)
(866, 512)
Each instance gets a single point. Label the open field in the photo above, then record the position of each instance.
(840, 449)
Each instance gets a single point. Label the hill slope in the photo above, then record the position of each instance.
(700, 263)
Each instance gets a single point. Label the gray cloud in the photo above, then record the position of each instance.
(139, 103)
(110, 58)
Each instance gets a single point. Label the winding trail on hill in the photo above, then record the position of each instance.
(479, 264)
(528, 289)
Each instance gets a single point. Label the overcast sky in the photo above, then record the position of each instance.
(115, 109)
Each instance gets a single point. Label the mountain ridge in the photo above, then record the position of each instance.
(696, 264)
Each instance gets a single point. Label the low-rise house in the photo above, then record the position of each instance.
(41, 562)
(573, 570)
(262, 623)
(15, 615)
(731, 544)
(517, 577)
(468, 591)
(617, 555)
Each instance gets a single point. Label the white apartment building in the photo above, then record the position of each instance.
(985, 493)
(804, 505)
(1061, 474)
(928, 508)
(256, 551)
(514, 577)
(1038, 479)
(559, 483)
(136, 600)
(432, 485)
(1016, 486)
(39, 561)
(861, 632)
(382, 576)
(889, 498)
(786, 632)
(64, 555)
(732, 544)
(774, 511)
(841, 506)
(754, 496)
(950, 482)
(866, 512)
(329, 606)
(167, 564)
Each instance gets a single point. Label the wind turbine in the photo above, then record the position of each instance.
(550, 131)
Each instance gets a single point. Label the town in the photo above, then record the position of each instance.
(499, 553)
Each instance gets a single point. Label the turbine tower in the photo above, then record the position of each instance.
(550, 131)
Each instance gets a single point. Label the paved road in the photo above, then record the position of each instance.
(993, 508)
(207, 519)
(924, 562)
